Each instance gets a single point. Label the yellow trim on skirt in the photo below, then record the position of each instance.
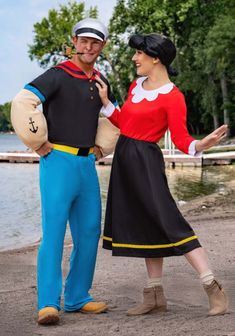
(181, 242)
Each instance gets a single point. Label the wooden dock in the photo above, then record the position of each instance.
(223, 158)
(179, 159)
(19, 157)
(171, 160)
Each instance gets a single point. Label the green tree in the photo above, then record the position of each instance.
(54, 32)
(197, 27)
(220, 58)
(164, 16)
(201, 29)
(5, 122)
(212, 42)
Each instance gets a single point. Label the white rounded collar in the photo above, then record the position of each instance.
(139, 93)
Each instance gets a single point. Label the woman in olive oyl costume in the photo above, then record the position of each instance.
(142, 219)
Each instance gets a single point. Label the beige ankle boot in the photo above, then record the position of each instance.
(154, 301)
(217, 298)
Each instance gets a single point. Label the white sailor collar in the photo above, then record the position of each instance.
(139, 93)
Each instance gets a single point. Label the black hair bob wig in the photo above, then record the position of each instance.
(156, 46)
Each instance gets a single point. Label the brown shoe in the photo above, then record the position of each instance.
(48, 315)
(217, 298)
(94, 307)
(154, 301)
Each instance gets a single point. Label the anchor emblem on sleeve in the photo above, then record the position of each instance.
(33, 129)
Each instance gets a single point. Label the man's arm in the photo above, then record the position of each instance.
(28, 121)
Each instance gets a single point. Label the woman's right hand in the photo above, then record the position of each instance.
(212, 139)
(103, 90)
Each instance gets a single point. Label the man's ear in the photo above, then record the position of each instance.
(104, 44)
(74, 39)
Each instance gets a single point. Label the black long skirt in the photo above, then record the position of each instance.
(142, 218)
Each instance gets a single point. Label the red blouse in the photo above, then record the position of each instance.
(146, 115)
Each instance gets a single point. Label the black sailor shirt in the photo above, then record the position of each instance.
(71, 104)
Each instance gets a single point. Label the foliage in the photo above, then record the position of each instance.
(54, 32)
(5, 123)
(203, 31)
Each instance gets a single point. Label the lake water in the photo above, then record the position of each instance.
(10, 142)
(20, 201)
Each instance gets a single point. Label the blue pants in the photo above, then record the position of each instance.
(69, 192)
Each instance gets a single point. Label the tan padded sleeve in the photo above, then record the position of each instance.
(29, 122)
(106, 136)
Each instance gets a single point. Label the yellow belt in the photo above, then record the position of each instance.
(74, 150)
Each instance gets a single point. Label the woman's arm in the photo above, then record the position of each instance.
(177, 123)
(108, 110)
(176, 113)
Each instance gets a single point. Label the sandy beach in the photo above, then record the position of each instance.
(119, 282)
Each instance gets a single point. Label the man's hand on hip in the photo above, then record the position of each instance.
(45, 149)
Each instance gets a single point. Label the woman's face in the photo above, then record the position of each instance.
(144, 63)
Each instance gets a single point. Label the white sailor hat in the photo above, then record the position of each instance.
(90, 27)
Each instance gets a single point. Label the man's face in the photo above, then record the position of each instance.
(89, 47)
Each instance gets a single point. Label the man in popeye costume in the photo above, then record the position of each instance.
(64, 136)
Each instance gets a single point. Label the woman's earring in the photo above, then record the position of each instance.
(154, 61)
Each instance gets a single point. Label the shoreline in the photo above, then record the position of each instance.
(21, 224)
(187, 208)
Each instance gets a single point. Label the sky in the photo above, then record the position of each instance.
(17, 18)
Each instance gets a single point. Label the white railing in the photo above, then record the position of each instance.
(168, 144)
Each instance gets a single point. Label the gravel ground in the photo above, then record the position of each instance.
(119, 282)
